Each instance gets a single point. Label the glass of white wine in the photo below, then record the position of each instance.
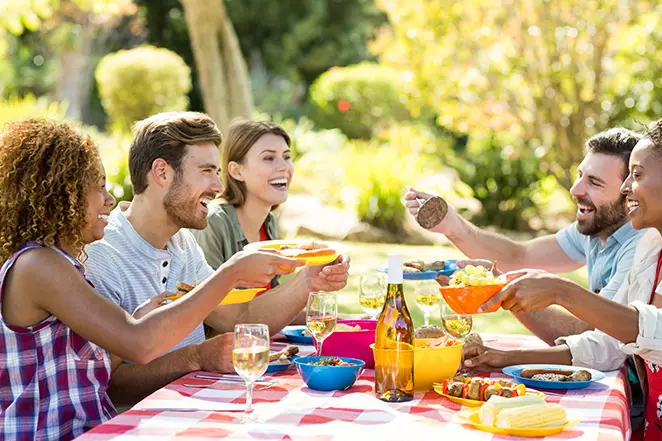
(321, 315)
(428, 298)
(456, 325)
(373, 294)
(250, 357)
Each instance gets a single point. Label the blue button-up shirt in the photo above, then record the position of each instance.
(608, 265)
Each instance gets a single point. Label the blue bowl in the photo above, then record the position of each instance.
(328, 378)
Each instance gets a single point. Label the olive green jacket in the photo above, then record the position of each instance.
(223, 236)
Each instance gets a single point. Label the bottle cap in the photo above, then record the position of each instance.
(395, 269)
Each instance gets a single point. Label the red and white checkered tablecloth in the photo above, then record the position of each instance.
(291, 411)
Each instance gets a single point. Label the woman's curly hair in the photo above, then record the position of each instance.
(47, 169)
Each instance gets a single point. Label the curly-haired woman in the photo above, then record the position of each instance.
(55, 329)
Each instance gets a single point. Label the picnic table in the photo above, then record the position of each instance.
(292, 411)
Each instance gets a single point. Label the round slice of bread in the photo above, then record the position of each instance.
(473, 338)
(429, 331)
(432, 212)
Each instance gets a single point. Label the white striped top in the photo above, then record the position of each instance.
(126, 269)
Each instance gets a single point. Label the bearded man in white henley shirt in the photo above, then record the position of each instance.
(174, 164)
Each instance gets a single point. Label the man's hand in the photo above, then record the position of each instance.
(331, 277)
(414, 199)
(528, 290)
(215, 354)
(150, 305)
(479, 356)
(259, 267)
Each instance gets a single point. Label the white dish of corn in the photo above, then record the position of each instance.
(526, 416)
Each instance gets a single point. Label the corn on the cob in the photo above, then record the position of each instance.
(490, 410)
(537, 416)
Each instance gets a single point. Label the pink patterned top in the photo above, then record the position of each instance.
(52, 381)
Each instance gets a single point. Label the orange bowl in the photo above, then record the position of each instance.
(467, 299)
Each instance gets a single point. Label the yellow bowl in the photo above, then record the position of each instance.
(317, 260)
(235, 296)
(434, 365)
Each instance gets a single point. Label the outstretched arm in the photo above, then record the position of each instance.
(542, 253)
(285, 302)
(535, 290)
(47, 282)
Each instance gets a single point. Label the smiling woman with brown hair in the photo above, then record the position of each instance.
(56, 331)
(256, 171)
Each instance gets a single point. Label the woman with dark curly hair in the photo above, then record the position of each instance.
(55, 329)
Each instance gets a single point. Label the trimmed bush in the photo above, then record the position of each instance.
(358, 99)
(136, 83)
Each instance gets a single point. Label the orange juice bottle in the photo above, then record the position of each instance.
(394, 351)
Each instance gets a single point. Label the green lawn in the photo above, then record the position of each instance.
(367, 256)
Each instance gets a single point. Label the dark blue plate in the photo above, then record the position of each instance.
(279, 367)
(514, 372)
(295, 334)
(451, 267)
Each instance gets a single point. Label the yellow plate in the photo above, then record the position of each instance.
(476, 403)
(473, 418)
(234, 297)
(319, 260)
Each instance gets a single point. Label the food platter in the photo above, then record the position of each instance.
(277, 245)
(234, 297)
(473, 418)
(475, 403)
(514, 371)
(294, 333)
(451, 267)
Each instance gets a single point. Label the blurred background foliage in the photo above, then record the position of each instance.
(486, 104)
(136, 83)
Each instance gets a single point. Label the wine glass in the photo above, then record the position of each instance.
(321, 315)
(373, 294)
(428, 298)
(250, 357)
(456, 325)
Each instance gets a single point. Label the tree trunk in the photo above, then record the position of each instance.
(222, 71)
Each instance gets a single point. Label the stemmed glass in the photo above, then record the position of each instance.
(250, 357)
(456, 325)
(373, 294)
(428, 298)
(321, 315)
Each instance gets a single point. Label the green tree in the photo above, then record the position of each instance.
(301, 40)
(540, 75)
(291, 39)
(222, 70)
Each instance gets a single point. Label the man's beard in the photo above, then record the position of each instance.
(181, 210)
(607, 218)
